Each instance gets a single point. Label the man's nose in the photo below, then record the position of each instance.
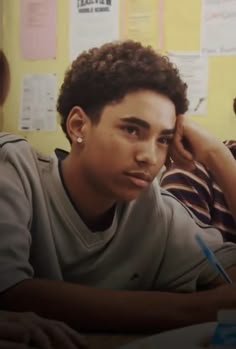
(147, 153)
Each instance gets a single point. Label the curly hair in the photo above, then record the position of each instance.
(105, 75)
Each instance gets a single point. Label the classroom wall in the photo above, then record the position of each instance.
(181, 33)
(44, 141)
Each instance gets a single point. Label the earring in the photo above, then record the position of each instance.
(79, 140)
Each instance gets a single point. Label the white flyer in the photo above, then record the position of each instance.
(92, 23)
(38, 103)
(218, 27)
(193, 68)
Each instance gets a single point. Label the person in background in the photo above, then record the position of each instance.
(25, 330)
(92, 239)
(201, 191)
(5, 77)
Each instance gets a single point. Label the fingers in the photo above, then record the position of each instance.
(181, 143)
(29, 331)
(169, 161)
(79, 340)
(180, 157)
(75, 337)
(178, 160)
(22, 330)
(62, 336)
(10, 330)
(4, 344)
(181, 152)
(37, 337)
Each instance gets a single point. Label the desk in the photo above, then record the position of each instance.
(97, 341)
(191, 337)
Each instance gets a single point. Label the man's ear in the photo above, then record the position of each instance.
(77, 124)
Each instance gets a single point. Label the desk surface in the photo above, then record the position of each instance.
(111, 341)
(191, 337)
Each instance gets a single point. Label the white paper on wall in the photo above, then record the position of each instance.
(218, 27)
(92, 23)
(38, 103)
(193, 68)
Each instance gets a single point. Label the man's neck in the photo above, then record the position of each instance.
(96, 211)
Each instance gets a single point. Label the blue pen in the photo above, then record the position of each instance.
(212, 259)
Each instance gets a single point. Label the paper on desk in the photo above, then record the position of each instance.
(38, 103)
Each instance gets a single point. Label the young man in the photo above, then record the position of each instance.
(200, 189)
(92, 239)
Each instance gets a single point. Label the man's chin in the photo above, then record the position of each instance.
(129, 195)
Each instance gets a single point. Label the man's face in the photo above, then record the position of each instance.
(124, 152)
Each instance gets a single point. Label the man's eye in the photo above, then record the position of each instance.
(132, 130)
(165, 140)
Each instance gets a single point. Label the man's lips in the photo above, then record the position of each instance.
(140, 179)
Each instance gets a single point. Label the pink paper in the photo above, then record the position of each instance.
(38, 29)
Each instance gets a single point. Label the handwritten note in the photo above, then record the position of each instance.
(218, 27)
(38, 104)
(38, 29)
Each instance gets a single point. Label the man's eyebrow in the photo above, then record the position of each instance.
(137, 121)
(146, 125)
(168, 132)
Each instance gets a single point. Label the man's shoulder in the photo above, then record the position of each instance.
(16, 149)
(7, 139)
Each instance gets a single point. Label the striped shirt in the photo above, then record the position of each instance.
(199, 191)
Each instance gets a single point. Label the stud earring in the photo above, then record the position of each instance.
(79, 140)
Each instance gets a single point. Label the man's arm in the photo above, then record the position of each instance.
(220, 281)
(222, 165)
(93, 309)
(205, 148)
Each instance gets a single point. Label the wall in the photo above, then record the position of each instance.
(182, 27)
(45, 141)
(182, 33)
